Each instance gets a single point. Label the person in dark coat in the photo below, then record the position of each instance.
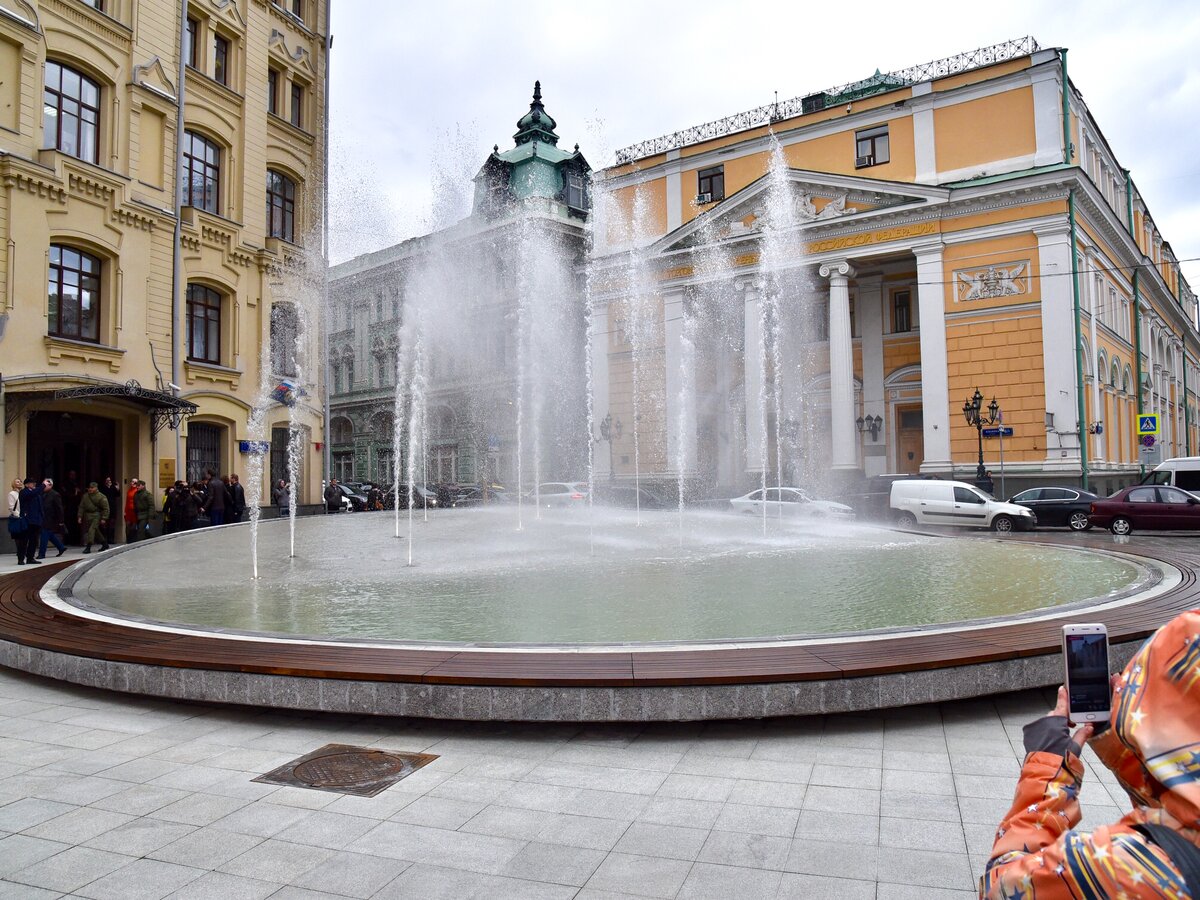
(111, 490)
(72, 492)
(143, 508)
(185, 505)
(53, 521)
(237, 499)
(33, 513)
(333, 497)
(217, 501)
(283, 498)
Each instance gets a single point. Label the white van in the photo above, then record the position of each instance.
(921, 502)
(1181, 472)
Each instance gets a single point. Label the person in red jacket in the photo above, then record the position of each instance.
(130, 511)
(1153, 747)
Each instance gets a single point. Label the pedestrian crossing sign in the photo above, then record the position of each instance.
(1147, 425)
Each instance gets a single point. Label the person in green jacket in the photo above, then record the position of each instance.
(93, 513)
(143, 508)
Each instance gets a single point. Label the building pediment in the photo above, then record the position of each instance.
(153, 76)
(809, 200)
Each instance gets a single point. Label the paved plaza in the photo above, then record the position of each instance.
(110, 796)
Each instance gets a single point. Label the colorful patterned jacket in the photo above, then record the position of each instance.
(1153, 747)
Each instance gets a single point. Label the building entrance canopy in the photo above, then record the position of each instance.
(162, 408)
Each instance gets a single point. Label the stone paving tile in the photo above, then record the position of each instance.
(845, 776)
(768, 793)
(647, 876)
(823, 887)
(583, 831)
(834, 859)
(697, 787)
(21, 814)
(944, 836)
(274, 860)
(139, 837)
(826, 826)
(922, 807)
(220, 886)
(667, 841)
(707, 881)
(70, 870)
(262, 819)
(886, 891)
(840, 799)
(198, 809)
(508, 821)
(10, 890)
(437, 847)
(423, 882)
(142, 879)
(139, 800)
(555, 863)
(927, 868)
(471, 788)
(922, 782)
(18, 851)
(79, 825)
(732, 848)
(772, 820)
(85, 790)
(351, 874)
(438, 812)
(205, 848)
(688, 813)
(324, 829)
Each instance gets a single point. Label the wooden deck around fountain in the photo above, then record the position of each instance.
(27, 621)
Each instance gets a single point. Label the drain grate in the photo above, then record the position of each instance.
(344, 769)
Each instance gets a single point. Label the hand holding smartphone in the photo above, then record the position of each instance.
(1085, 656)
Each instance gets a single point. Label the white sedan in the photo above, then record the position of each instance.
(790, 501)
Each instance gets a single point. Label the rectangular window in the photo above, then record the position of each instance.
(201, 173)
(576, 198)
(189, 43)
(273, 91)
(204, 449)
(710, 185)
(71, 112)
(901, 311)
(281, 206)
(220, 59)
(297, 105)
(74, 294)
(203, 324)
(298, 9)
(871, 147)
(95, 4)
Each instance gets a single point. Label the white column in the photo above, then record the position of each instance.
(924, 133)
(935, 386)
(600, 386)
(1058, 344)
(674, 191)
(843, 439)
(753, 362)
(680, 408)
(1088, 286)
(871, 315)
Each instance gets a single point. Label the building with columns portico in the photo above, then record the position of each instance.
(954, 226)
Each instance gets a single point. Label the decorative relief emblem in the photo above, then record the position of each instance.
(807, 210)
(991, 282)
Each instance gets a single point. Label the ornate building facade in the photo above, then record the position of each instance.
(476, 286)
(135, 341)
(955, 226)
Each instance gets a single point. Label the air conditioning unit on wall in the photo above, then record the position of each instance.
(860, 161)
(701, 199)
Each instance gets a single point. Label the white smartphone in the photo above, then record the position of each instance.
(1085, 653)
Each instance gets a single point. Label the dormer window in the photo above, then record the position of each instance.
(871, 147)
(710, 185)
(576, 192)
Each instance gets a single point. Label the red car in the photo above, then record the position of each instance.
(1156, 508)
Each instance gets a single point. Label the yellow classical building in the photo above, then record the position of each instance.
(130, 337)
(955, 226)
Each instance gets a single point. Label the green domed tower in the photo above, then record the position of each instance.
(534, 168)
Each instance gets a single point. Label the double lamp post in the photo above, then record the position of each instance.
(980, 416)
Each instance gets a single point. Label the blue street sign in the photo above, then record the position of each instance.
(1005, 431)
(1147, 424)
(256, 447)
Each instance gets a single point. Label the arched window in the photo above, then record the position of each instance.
(1115, 378)
(201, 172)
(342, 430)
(203, 324)
(285, 331)
(74, 294)
(71, 112)
(281, 206)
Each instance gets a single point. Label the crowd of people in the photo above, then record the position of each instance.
(41, 513)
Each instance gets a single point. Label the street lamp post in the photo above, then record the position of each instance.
(978, 416)
(610, 430)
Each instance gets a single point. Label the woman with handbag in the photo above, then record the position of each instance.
(18, 528)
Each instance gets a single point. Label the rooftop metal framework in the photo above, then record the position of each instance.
(877, 83)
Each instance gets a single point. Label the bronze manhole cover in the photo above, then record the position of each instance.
(361, 771)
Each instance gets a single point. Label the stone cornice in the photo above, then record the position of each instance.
(117, 34)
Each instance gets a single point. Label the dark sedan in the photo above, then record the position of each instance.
(1145, 506)
(1063, 506)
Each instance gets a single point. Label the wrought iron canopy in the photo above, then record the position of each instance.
(162, 408)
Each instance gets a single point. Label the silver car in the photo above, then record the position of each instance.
(790, 501)
(560, 493)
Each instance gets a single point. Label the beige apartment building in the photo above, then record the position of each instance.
(117, 358)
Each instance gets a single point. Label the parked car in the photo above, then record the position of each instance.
(1062, 506)
(425, 497)
(629, 496)
(955, 503)
(1147, 506)
(1181, 472)
(473, 495)
(356, 500)
(560, 493)
(790, 501)
(869, 498)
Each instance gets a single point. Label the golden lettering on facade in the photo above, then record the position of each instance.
(917, 229)
(677, 272)
(747, 259)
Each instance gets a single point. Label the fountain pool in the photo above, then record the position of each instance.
(566, 580)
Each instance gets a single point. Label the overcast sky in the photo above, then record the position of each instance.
(422, 90)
